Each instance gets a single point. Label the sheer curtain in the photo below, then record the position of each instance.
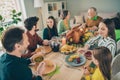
(39, 4)
(6, 6)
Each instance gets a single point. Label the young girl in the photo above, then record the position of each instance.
(51, 29)
(102, 59)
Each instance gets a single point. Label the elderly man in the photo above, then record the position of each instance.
(93, 19)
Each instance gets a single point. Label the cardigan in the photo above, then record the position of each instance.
(48, 35)
(100, 41)
(62, 28)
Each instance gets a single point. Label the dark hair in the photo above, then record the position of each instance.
(111, 27)
(10, 37)
(54, 26)
(104, 57)
(30, 22)
(93, 9)
(65, 13)
(60, 12)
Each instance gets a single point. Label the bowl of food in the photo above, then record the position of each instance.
(39, 59)
(67, 49)
(88, 55)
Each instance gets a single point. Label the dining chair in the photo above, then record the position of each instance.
(118, 46)
(115, 65)
(116, 77)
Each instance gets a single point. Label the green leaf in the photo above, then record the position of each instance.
(19, 19)
(14, 15)
(14, 11)
(15, 21)
(1, 17)
(19, 14)
(1, 29)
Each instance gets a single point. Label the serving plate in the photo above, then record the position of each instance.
(49, 67)
(74, 61)
(47, 49)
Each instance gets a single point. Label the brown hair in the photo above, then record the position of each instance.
(111, 27)
(65, 13)
(54, 27)
(30, 22)
(104, 58)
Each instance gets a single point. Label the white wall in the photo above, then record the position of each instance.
(29, 6)
(77, 6)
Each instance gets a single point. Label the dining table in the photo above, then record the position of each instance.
(66, 71)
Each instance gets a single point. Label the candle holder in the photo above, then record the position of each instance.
(63, 40)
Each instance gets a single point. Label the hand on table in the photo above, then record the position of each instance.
(45, 42)
(86, 71)
(40, 68)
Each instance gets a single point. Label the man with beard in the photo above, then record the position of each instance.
(33, 38)
(12, 66)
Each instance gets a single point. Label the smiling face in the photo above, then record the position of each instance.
(91, 13)
(103, 30)
(50, 23)
(36, 27)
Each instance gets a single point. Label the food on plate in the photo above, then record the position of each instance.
(46, 48)
(72, 57)
(38, 50)
(87, 36)
(38, 59)
(78, 60)
(48, 63)
(67, 49)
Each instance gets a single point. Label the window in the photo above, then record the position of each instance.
(6, 6)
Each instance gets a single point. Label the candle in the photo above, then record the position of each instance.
(81, 29)
(63, 41)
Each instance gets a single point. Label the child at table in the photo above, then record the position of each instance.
(102, 59)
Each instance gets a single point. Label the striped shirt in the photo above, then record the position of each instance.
(100, 41)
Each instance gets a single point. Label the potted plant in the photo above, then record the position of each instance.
(15, 18)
